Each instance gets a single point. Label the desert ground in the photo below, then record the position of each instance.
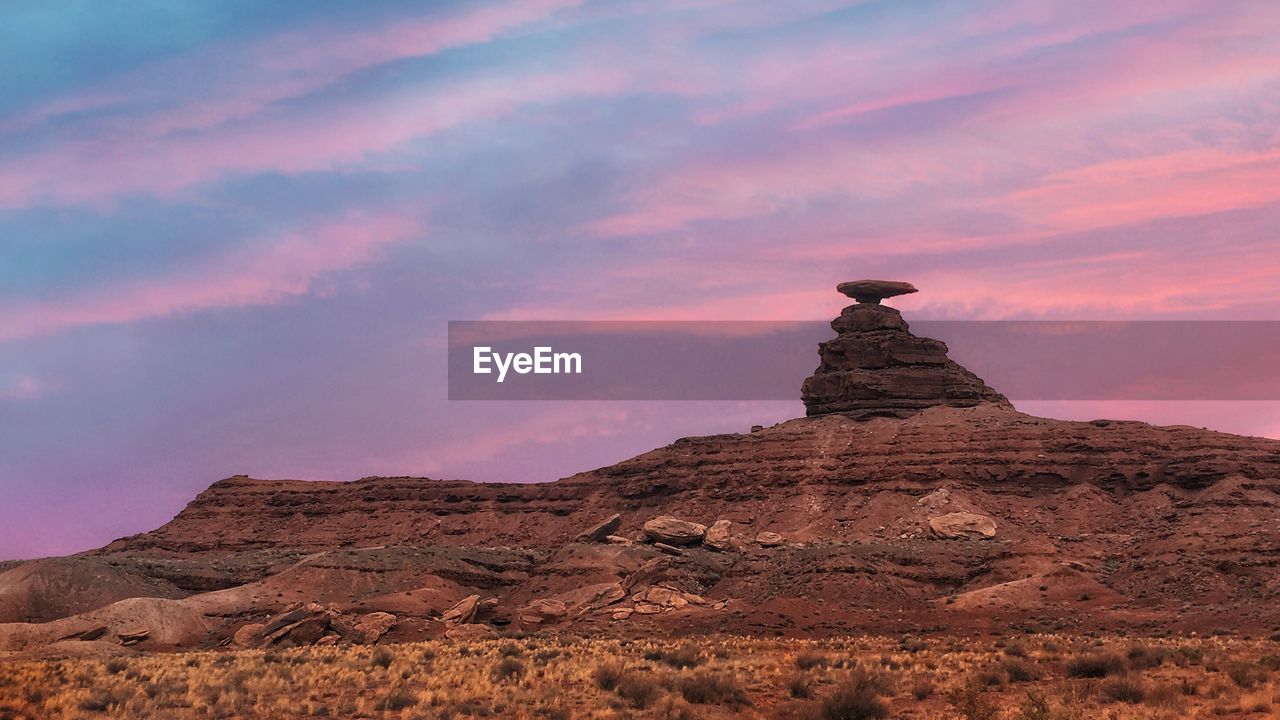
(1027, 677)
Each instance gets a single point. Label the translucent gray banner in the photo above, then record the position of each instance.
(750, 360)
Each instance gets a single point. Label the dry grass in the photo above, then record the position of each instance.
(560, 678)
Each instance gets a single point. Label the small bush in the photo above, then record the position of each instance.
(1245, 675)
(800, 686)
(1124, 690)
(508, 668)
(398, 700)
(989, 678)
(115, 667)
(810, 660)
(1019, 671)
(382, 658)
(608, 674)
(1034, 707)
(638, 689)
(1015, 649)
(971, 701)
(671, 708)
(685, 656)
(704, 688)
(100, 701)
(1142, 657)
(856, 698)
(1095, 666)
(922, 688)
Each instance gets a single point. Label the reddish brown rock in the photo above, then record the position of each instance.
(873, 291)
(769, 539)
(963, 525)
(248, 636)
(464, 612)
(673, 530)
(602, 530)
(542, 612)
(875, 367)
(372, 626)
(718, 537)
(470, 632)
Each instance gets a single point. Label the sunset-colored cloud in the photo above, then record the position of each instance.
(288, 266)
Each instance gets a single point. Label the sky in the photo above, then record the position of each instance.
(232, 233)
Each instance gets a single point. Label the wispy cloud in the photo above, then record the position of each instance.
(263, 273)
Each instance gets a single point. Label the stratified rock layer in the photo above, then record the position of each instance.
(875, 367)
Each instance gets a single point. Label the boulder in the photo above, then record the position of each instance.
(673, 531)
(963, 526)
(248, 636)
(544, 611)
(372, 626)
(133, 635)
(470, 631)
(769, 539)
(303, 632)
(463, 612)
(602, 530)
(717, 537)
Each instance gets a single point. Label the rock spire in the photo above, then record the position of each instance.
(875, 367)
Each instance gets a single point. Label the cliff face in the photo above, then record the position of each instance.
(813, 473)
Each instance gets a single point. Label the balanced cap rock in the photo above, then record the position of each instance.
(875, 367)
(873, 291)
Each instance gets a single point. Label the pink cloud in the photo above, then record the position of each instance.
(25, 387)
(289, 266)
(283, 66)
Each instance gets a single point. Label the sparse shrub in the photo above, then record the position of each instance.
(116, 666)
(1245, 675)
(100, 702)
(1034, 707)
(912, 644)
(685, 656)
(922, 688)
(856, 698)
(508, 668)
(382, 658)
(1097, 665)
(971, 701)
(638, 689)
(1015, 649)
(672, 708)
(1019, 671)
(799, 686)
(810, 660)
(1164, 696)
(989, 678)
(608, 674)
(704, 688)
(1124, 690)
(1142, 657)
(398, 700)
(1188, 655)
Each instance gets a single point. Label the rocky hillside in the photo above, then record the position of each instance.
(925, 502)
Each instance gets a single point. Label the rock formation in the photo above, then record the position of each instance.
(674, 531)
(875, 367)
(913, 497)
